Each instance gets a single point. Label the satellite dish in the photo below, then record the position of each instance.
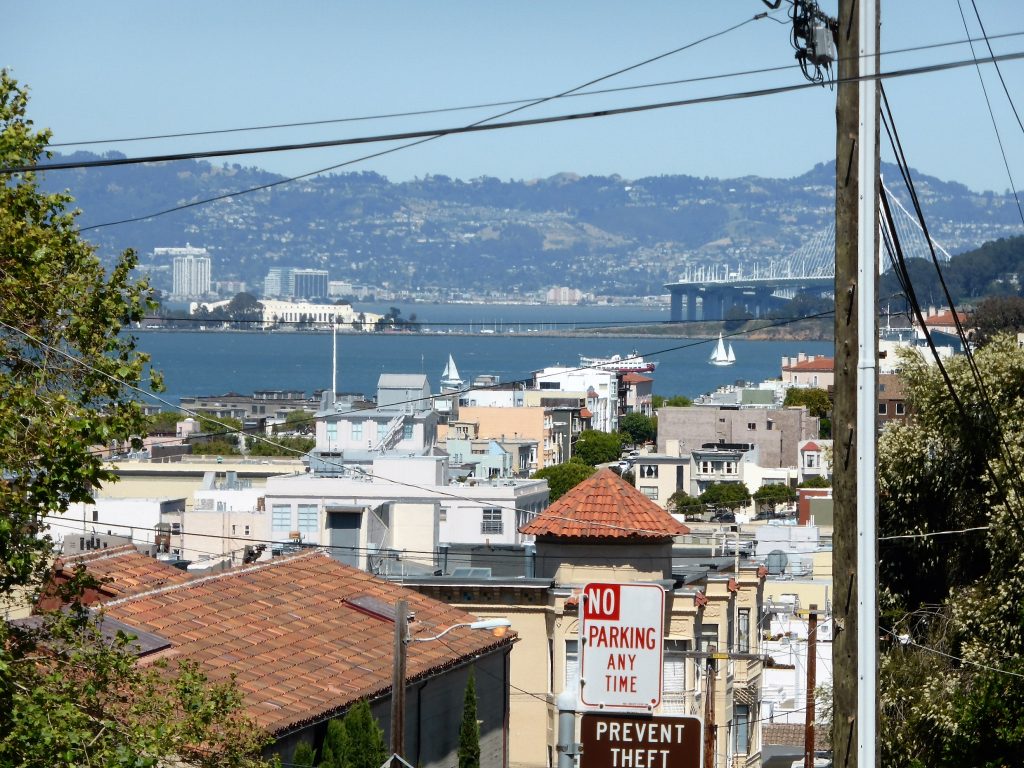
(776, 562)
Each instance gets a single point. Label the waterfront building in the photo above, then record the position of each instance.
(345, 316)
(597, 387)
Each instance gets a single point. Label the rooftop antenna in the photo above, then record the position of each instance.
(334, 359)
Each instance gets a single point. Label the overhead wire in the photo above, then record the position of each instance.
(504, 103)
(417, 140)
(1016, 472)
(988, 104)
(422, 136)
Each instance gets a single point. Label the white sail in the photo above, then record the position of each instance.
(450, 378)
(721, 356)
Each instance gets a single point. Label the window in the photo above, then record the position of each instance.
(491, 521)
(332, 432)
(308, 518)
(247, 530)
(901, 409)
(407, 432)
(705, 467)
(382, 430)
(743, 639)
(708, 636)
(281, 517)
(95, 515)
(741, 731)
(673, 680)
(811, 460)
(442, 514)
(648, 470)
(752, 426)
(357, 430)
(883, 409)
(572, 664)
(730, 467)
(650, 491)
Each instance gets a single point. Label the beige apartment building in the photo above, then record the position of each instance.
(529, 423)
(604, 530)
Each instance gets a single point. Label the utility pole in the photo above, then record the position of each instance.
(709, 715)
(398, 679)
(854, 649)
(812, 681)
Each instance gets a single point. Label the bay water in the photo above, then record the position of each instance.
(509, 341)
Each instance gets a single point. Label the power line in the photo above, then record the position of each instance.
(988, 104)
(504, 103)
(481, 126)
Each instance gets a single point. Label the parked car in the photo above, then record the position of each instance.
(723, 516)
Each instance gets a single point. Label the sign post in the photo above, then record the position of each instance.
(621, 647)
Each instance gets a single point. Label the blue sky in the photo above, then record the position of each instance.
(120, 69)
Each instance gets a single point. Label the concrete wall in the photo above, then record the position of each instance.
(776, 432)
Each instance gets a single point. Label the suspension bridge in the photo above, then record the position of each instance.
(712, 292)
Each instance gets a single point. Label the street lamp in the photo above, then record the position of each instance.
(402, 639)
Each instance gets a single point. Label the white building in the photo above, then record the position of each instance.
(344, 315)
(191, 274)
(139, 519)
(598, 387)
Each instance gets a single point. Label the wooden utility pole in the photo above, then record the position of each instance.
(398, 679)
(853, 531)
(812, 682)
(709, 716)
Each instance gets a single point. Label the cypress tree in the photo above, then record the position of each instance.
(304, 755)
(335, 745)
(469, 732)
(364, 746)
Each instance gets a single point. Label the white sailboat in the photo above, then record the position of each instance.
(450, 379)
(722, 355)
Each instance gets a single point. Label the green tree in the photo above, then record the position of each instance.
(682, 503)
(564, 477)
(335, 748)
(469, 730)
(363, 737)
(244, 310)
(279, 446)
(997, 314)
(952, 686)
(594, 447)
(63, 355)
(728, 495)
(815, 400)
(815, 482)
(639, 427)
(163, 423)
(304, 756)
(676, 401)
(300, 421)
(770, 497)
(71, 697)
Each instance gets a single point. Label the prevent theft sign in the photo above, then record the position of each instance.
(621, 646)
(614, 741)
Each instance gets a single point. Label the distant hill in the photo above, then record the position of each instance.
(604, 234)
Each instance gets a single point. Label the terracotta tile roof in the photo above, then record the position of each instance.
(792, 735)
(300, 648)
(820, 363)
(585, 413)
(944, 318)
(812, 446)
(123, 570)
(636, 378)
(604, 506)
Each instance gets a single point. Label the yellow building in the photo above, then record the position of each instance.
(604, 530)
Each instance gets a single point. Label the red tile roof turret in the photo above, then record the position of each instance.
(604, 506)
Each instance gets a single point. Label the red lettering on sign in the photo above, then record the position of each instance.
(601, 602)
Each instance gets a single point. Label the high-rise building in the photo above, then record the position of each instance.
(276, 286)
(309, 283)
(191, 271)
